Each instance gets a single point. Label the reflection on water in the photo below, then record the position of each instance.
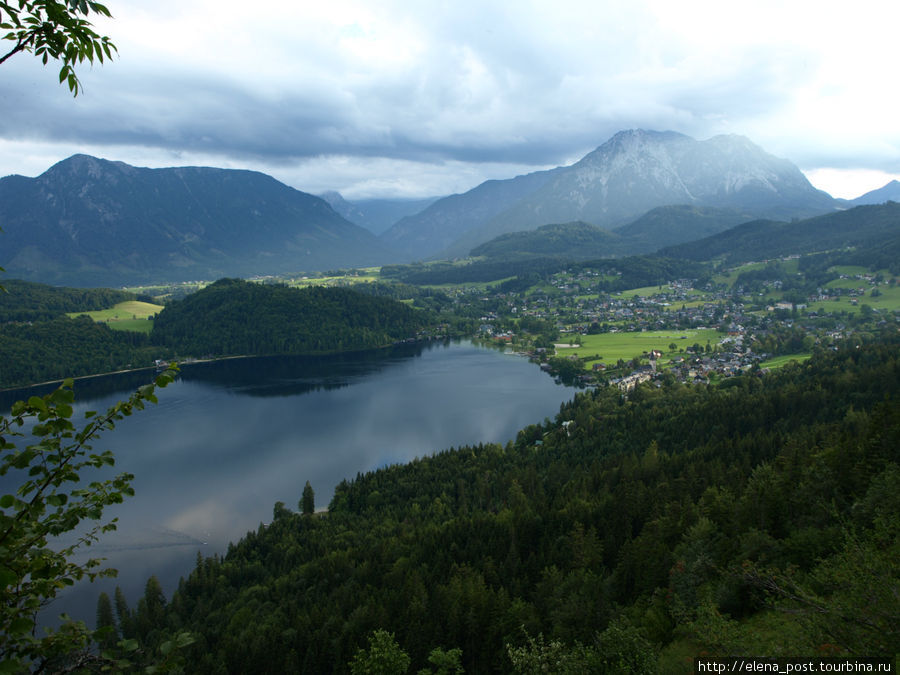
(230, 438)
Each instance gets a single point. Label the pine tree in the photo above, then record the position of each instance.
(123, 613)
(308, 502)
(105, 619)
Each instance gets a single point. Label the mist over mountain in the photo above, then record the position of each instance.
(88, 221)
(660, 227)
(632, 173)
(376, 215)
(444, 222)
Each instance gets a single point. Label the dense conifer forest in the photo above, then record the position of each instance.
(233, 316)
(630, 534)
(55, 349)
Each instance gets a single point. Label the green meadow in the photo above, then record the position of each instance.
(644, 292)
(131, 315)
(614, 346)
(361, 276)
(887, 301)
(779, 361)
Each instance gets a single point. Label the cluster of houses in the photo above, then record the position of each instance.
(571, 302)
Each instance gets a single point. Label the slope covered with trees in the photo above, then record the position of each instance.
(643, 529)
(864, 226)
(572, 241)
(28, 301)
(53, 350)
(238, 317)
(39, 343)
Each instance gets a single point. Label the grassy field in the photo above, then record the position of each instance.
(848, 283)
(729, 276)
(477, 285)
(131, 315)
(850, 270)
(779, 361)
(888, 301)
(645, 292)
(362, 276)
(614, 346)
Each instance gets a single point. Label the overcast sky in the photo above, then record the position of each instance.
(419, 97)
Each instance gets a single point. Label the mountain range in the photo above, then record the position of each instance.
(88, 221)
(632, 173)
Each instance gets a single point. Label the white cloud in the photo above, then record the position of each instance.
(849, 183)
(330, 91)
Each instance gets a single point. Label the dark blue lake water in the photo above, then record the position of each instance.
(230, 438)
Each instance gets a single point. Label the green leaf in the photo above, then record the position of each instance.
(38, 403)
(57, 499)
(129, 645)
(11, 666)
(6, 501)
(7, 577)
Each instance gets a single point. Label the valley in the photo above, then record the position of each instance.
(448, 338)
(627, 440)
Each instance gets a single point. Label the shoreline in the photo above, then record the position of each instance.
(190, 361)
(186, 362)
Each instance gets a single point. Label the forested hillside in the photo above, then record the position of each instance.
(62, 347)
(88, 221)
(28, 301)
(866, 227)
(238, 317)
(571, 241)
(39, 343)
(635, 531)
(630, 272)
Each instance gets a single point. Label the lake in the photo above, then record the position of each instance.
(230, 438)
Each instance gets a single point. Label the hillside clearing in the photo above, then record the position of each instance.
(132, 315)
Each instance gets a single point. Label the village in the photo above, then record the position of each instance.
(700, 331)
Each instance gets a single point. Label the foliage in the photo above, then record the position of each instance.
(539, 656)
(383, 657)
(39, 524)
(50, 29)
(566, 368)
(445, 662)
(308, 500)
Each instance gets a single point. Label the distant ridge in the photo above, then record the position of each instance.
(570, 241)
(867, 227)
(376, 215)
(888, 192)
(90, 222)
(447, 220)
